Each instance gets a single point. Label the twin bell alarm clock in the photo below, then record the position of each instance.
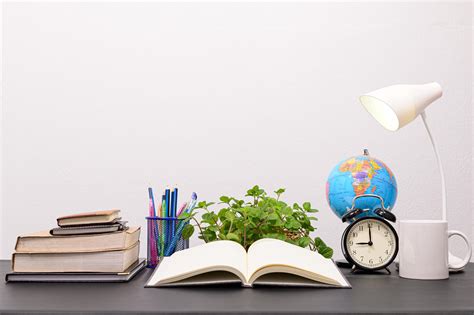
(362, 191)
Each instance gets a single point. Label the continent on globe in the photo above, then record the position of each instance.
(358, 176)
(362, 172)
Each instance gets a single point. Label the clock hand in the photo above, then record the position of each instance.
(364, 243)
(370, 236)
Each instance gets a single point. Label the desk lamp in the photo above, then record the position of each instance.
(397, 105)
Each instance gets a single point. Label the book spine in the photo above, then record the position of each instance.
(17, 242)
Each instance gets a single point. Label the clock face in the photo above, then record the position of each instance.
(370, 243)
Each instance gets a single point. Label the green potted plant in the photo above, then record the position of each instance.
(259, 217)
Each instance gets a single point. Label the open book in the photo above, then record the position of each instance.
(267, 262)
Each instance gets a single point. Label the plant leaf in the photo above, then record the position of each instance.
(327, 252)
(321, 247)
(188, 230)
(273, 218)
(201, 204)
(286, 210)
(184, 215)
(233, 237)
(319, 242)
(229, 215)
(279, 191)
(224, 199)
(304, 241)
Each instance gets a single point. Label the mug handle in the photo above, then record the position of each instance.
(460, 265)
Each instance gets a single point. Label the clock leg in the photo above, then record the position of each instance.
(342, 263)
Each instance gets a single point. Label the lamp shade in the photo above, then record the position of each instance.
(397, 105)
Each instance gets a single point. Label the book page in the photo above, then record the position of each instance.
(214, 256)
(208, 278)
(271, 255)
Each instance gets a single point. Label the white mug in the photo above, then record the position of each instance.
(424, 250)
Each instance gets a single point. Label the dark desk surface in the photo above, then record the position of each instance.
(370, 294)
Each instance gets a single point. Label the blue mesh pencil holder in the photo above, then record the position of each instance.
(164, 238)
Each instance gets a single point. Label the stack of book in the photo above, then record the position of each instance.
(93, 246)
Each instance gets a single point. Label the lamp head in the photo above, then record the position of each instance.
(397, 105)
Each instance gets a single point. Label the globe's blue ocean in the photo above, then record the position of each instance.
(360, 175)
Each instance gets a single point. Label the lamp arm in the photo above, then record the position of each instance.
(440, 166)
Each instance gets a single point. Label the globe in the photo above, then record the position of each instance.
(359, 176)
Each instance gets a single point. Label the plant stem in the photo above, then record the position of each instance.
(230, 227)
(200, 229)
(215, 221)
(245, 230)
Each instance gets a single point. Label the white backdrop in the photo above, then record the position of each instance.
(102, 99)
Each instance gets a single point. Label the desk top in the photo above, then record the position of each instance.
(370, 293)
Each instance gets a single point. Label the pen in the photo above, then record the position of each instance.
(181, 209)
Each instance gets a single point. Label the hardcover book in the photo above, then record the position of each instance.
(124, 276)
(101, 261)
(267, 262)
(95, 217)
(89, 229)
(44, 242)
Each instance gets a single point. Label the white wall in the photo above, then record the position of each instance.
(101, 99)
